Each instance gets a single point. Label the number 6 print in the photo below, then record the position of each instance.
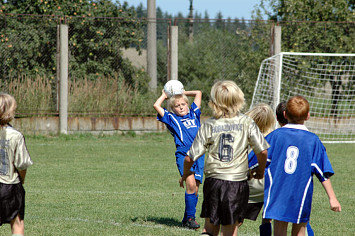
(291, 159)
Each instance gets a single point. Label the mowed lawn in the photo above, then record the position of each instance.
(128, 185)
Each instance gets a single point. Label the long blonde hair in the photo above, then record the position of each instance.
(263, 117)
(227, 99)
(7, 108)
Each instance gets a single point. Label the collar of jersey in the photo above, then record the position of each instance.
(296, 126)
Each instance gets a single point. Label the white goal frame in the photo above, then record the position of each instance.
(326, 80)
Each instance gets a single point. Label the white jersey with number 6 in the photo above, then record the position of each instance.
(226, 140)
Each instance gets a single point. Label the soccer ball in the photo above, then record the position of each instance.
(173, 87)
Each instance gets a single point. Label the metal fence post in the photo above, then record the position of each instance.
(63, 80)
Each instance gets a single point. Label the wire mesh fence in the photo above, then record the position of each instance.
(108, 58)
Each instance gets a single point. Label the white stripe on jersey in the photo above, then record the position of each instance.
(268, 194)
(182, 137)
(319, 170)
(303, 199)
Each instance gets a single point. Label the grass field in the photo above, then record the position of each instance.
(128, 185)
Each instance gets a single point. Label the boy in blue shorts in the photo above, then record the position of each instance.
(226, 137)
(183, 123)
(294, 156)
(261, 117)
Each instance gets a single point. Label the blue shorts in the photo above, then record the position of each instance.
(197, 167)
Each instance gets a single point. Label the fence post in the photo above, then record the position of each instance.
(174, 51)
(63, 79)
(152, 44)
(277, 51)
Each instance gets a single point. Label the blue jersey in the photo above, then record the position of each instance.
(182, 128)
(294, 156)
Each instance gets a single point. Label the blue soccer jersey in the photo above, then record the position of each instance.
(294, 156)
(183, 128)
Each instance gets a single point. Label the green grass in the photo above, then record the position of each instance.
(128, 185)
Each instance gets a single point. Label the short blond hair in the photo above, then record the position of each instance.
(7, 108)
(264, 117)
(171, 101)
(227, 99)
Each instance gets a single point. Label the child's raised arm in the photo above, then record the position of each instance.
(197, 94)
(158, 102)
(333, 201)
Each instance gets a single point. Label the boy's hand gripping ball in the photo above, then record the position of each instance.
(173, 87)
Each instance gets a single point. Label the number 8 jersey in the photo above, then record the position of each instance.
(227, 140)
(294, 157)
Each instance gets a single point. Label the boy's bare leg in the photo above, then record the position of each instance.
(230, 230)
(210, 228)
(280, 228)
(17, 226)
(191, 184)
(299, 229)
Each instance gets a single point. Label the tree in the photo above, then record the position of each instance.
(98, 30)
(323, 26)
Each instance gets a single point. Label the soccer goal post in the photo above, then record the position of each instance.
(326, 80)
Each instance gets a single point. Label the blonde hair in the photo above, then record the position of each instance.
(171, 101)
(227, 99)
(264, 117)
(297, 109)
(7, 108)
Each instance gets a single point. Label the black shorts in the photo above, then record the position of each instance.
(253, 210)
(12, 202)
(224, 202)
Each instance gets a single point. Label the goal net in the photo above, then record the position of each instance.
(327, 81)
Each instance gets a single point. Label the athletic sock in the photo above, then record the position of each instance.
(309, 230)
(265, 229)
(190, 205)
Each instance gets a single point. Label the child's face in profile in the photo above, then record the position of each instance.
(181, 107)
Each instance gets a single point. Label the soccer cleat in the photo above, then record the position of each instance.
(191, 224)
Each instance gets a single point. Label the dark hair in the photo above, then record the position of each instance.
(280, 113)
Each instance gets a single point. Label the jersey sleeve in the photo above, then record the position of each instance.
(321, 166)
(165, 118)
(198, 147)
(196, 110)
(256, 139)
(22, 159)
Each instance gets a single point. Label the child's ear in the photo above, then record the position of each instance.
(308, 116)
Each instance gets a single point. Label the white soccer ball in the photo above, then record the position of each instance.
(173, 87)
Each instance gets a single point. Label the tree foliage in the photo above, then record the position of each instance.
(322, 26)
(98, 31)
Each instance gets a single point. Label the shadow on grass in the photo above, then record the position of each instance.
(159, 220)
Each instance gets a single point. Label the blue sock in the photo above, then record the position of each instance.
(190, 206)
(265, 229)
(309, 230)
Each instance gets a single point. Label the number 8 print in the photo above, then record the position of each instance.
(291, 159)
